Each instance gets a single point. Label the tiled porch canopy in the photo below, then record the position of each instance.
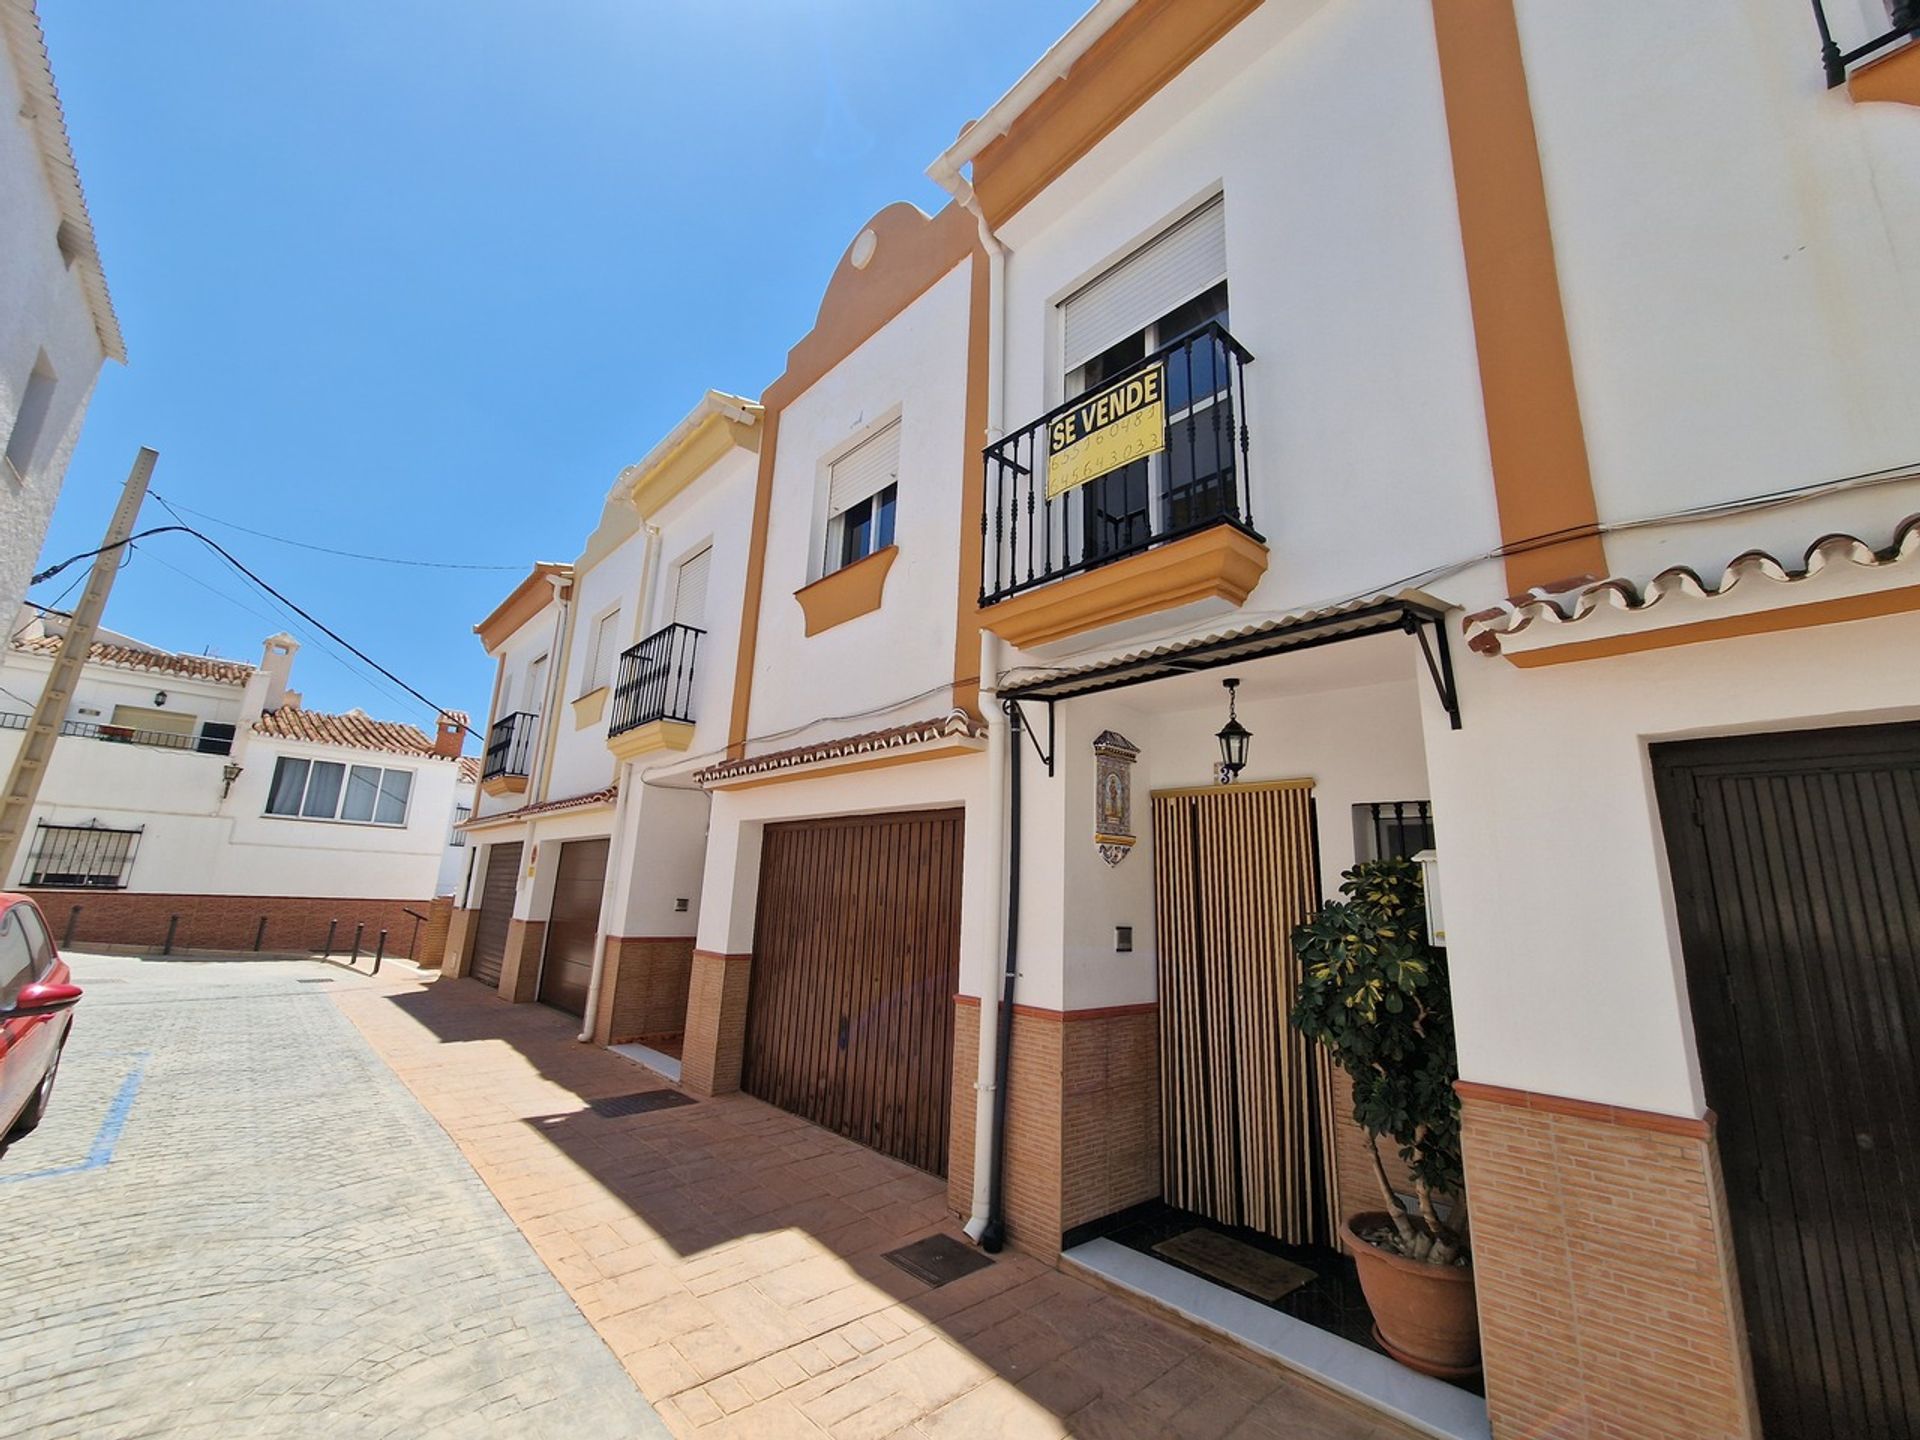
(1410, 612)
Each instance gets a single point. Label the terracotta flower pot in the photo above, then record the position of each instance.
(1423, 1315)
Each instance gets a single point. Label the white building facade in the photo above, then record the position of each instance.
(194, 804)
(57, 325)
(1514, 415)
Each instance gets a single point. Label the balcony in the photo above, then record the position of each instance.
(1163, 518)
(509, 756)
(653, 693)
(1844, 65)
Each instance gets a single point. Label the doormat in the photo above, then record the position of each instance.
(1235, 1263)
(639, 1103)
(938, 1259)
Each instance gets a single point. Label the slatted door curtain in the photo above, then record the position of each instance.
(1247, 1112)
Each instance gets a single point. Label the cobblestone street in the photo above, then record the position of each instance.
(235, 1221)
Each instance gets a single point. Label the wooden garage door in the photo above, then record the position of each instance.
(496, 912)
(1796, 867)
(573, 924)
(856, 958)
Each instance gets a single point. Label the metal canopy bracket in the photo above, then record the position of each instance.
(1015, 710)
(1417, 625)
(1381, 618)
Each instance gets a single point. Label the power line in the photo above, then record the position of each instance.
(229, 557)
(328, 549)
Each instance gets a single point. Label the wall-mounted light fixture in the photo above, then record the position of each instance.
(1233, 738)
(159, 697)
(229, 773)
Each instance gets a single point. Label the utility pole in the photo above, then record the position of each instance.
(30, 765)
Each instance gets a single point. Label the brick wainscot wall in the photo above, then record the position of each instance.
(297, 925)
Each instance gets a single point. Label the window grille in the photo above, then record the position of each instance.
(1393, 829)
(90, 856)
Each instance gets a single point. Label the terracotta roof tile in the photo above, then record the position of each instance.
(470, 769)
(955, 725)
(569, 802)
(355, 730)
(159, 662)
(1487, 628)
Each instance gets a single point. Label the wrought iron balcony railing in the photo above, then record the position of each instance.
(1903, 16)
(1039, 523)
(510, 745)
(655, 680)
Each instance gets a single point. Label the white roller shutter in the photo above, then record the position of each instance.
(865, 470)
(690, 590)
(1172, 268)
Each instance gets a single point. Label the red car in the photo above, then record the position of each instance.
(35, 998)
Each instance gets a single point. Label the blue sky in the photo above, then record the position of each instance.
(416, 279)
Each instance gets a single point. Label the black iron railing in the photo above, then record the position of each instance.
(510, 745)
(1034, 531)
(1400, 829)
(1903, 16)
(213, 739)
(655, 680)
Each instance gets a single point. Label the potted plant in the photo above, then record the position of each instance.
(1374, 992)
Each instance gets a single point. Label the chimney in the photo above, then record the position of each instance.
(453, 735)
(277, 664)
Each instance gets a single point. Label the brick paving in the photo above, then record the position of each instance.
(730, 1256)
(280, 1242)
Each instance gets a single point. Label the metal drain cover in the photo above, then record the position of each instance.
(938, 1259)
(639, 1103)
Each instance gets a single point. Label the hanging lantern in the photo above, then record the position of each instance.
(1233, 738)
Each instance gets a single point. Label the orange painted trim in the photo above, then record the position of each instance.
(527, 600)
(973, 1000)
(1218, 563)
(1126, 67)
(973, 484)
(1837, 611)
(847, 767)
(912, 254)
(848, 593)
(1622, 1115)
(699, 954)
(498, 785)
(1894, 78)
(1542, 481)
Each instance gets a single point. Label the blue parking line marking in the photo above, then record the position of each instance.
(107, 1137)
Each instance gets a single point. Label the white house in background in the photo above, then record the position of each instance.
(193, 802)
(56, 322)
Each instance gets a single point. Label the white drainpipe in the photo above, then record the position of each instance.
(613, 900)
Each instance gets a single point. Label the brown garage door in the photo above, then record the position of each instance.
(572, 925)
(856, 957)
(1796, 873)
(496, 912)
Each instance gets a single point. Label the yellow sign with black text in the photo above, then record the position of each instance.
(1108, 429)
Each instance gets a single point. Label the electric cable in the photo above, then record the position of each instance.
(174, 508)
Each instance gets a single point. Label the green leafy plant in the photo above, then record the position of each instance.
(1374, 992)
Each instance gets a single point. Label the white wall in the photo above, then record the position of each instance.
(1566, 967)
(715, 510)
(913, 367)
(1739, 258)
(1324, 127)
(101, 687)
(521, 649)
(196, 842)
(1358, 742)
(42, 309)
(453, 858)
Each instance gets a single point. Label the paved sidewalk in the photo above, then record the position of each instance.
(730, 1255)
(235, 1222)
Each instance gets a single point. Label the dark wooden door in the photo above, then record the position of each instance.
(573, 924)
(856, 958)
(1796, 867)
(496, 912)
